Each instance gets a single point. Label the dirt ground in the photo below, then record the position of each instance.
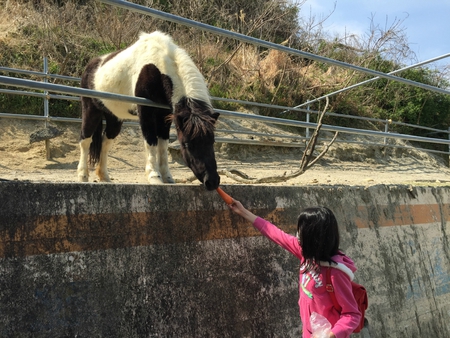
(344, 164)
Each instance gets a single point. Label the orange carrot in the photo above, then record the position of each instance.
(227, 198)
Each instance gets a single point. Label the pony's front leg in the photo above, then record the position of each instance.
(152, 166)
(102, 166)
(82, 169)
(163, 145)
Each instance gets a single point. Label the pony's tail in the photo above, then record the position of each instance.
(95, 148)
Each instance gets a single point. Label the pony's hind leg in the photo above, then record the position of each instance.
(82, 169)
(163, 145)
(152, 166)
(91, 130)
(112, 129)
(102, 168)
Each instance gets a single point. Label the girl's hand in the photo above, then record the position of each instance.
(239, 209)
(324, 334)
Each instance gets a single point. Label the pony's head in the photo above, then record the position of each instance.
(194, 121)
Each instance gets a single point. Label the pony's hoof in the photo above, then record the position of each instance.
(83, 178)
(155, 180)
(169, 180)
(103, 176)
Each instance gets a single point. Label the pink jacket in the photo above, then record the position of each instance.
(313, 294)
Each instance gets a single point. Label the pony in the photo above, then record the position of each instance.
(155, 68)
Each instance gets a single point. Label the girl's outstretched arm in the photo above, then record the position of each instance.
(271, 231)
(239, 209)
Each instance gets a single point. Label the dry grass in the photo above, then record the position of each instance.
(71, 34)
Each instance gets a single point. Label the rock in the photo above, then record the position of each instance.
(45, 134)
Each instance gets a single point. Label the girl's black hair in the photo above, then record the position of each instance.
(318, 234)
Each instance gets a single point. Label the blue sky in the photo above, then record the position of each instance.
(426, 23)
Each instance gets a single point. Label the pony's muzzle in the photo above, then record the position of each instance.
(211, 182)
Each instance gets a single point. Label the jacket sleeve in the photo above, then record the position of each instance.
(350, 314)
(278, 236)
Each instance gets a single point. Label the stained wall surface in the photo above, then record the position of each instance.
(105, 260)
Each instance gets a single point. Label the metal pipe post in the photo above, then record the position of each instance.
(46, 111)
(307, 120)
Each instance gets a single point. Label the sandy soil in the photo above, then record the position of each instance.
(344, 164)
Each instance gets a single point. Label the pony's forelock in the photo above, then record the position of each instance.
(197, 117)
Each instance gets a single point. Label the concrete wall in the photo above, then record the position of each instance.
(104, 260)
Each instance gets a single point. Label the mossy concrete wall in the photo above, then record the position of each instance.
(105, 260)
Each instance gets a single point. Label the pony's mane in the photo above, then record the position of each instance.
(193, 81)
(198, 120)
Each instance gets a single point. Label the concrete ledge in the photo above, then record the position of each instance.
(111, 260)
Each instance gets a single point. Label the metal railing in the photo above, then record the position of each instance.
(75, 92)
(49, 87)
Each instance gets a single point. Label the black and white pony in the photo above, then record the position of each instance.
(157, 69)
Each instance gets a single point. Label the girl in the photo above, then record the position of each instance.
(316, 245)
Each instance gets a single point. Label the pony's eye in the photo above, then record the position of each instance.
(185, 145)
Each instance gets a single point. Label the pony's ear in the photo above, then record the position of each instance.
(215, 115)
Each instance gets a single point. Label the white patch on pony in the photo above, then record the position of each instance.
(120, 74)
(157, 167)
(102, 167)
(163, 145)
(152, 166)
(82, 170)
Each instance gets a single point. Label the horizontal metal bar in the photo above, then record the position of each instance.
(362, 118)
(39, 74)
(56, 119)
(40, 117)
(258, 142)
(40, 95)
(373, 79)
(23, 116)
(241, 37)
(21, 92)
(293, 137)
(331, 128)
(11, 81)
(382, 145)
(420, 127)
(258, 104)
